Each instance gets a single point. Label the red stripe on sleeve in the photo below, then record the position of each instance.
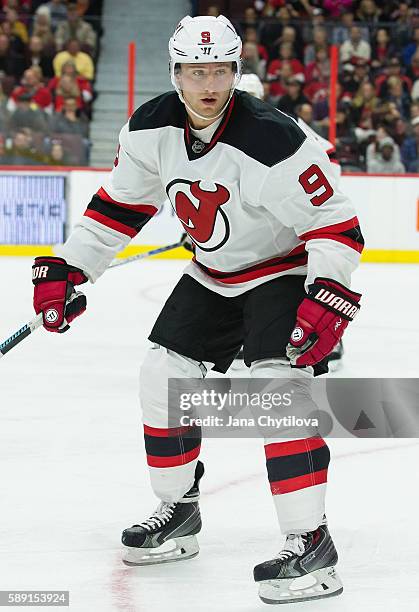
(336, 228)
(299, 482)
(293, 447)
(115, 225)
(147, 209)
(343, 240)
(175, 460)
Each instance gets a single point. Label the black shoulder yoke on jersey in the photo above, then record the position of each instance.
(250, 125)
(164, 111)
(261, 131)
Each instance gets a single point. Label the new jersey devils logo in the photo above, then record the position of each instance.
(198, 206)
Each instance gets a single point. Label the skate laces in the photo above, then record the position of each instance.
(294, 545)
(160, 516)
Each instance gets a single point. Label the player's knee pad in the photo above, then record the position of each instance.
(159, 365)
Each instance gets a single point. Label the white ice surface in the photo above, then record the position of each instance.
(73, 472)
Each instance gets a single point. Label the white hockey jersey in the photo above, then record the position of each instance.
(259, 200)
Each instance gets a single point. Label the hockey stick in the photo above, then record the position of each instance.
(33, 325)
(169, 247)
(20, 335)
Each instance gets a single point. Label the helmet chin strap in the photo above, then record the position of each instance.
(191, 110)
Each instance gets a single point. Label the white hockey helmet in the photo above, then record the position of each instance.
(204, 40)
(252, 84)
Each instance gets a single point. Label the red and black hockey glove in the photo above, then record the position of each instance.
(322, 317)
(54, 293)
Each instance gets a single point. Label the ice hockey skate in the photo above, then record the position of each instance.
(302, 571)
(169, 534)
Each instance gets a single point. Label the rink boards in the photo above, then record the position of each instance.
(38, 208)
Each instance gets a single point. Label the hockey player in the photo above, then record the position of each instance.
(253, 85)
(275, 245)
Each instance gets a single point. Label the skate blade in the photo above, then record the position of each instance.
(177, 549)
(319, 584)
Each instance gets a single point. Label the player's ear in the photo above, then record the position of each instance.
(178, 72)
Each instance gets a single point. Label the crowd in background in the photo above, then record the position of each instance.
(48, 52)
(287, 44)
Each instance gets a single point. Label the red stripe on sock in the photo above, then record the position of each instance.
(300, 482)
(175, 460)
(293, 447)
(172, 432)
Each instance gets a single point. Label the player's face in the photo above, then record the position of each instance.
(206, 87)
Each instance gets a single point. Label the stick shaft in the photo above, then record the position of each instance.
(127, 260)
(20, 335)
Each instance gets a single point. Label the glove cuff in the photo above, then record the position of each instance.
(335, 297)
(56, 269)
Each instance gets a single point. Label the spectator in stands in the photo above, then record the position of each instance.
(398, 97)
(414, 110)
(319, 42)
(368, 12)
(412, 72)
(410, 148)
(402, 15)
(364, 105)
(69, 120)
(11, 64)
(317, 73)
(293, 98)
(278, 87)
(335, 8)
(26, 116)
(35, 56)
(393, 69)
(305, 112)
(17, 27)
(42, 29)
(31, 84)
(67, 87)
(290, 35)
(382, 49)
(251, 61)
(410, 49)
(57, 156)
(355, 47)
(251, 35)
(75, 28)
(23, 152)
(341, 33)
(56, 11)
(286, 54)
(83, 61)
(387, 162)
(355, 73)
(74, 87)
